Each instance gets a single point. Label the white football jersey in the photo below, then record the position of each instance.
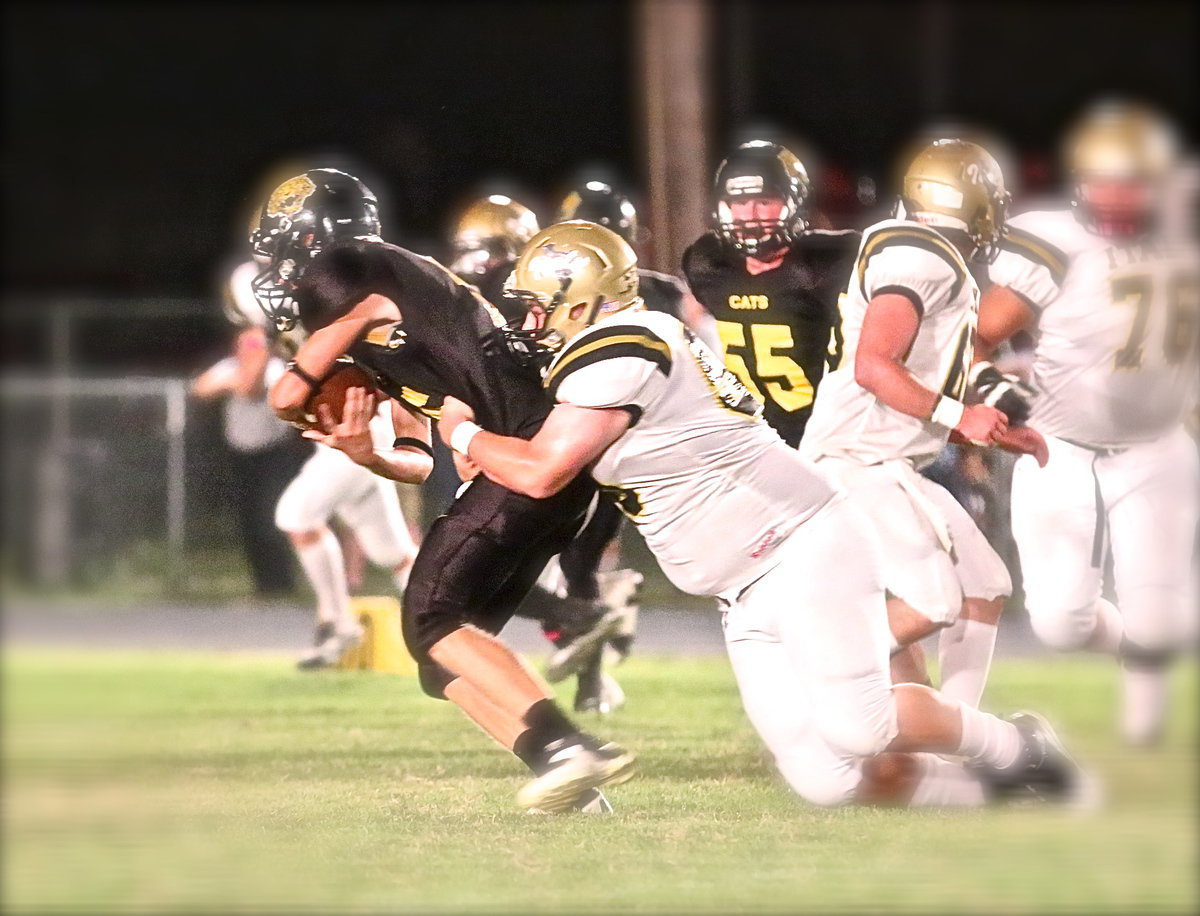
(1115, 359)
(711, 487)
(898, 256)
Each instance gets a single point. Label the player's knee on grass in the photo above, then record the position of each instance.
(1065, 630)
(820, 782)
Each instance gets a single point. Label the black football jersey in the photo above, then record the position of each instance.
(779, 329)
(661, 292)
(448, 341)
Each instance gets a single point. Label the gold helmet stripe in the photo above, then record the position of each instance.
(610, 343)
(916, 236)
(1037, 250)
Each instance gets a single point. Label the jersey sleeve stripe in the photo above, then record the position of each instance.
(610, 344)
(421, 402)
(1037, 250)
(916, 237)
(907, 292)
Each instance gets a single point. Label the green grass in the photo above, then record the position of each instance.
(185, 782)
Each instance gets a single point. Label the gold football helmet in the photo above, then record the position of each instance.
(957, 185)
(1123, 142)
(576, 272)
(491, 230)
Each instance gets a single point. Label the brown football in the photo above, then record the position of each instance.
(332, 392)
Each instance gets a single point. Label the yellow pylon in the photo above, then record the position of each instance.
(381, 648)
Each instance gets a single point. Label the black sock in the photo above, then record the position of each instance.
(545, 724)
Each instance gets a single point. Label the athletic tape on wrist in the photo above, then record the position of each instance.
(947, 412)
(460, 439)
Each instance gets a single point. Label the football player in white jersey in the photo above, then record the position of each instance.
(908, 323)
(731, 511)
(1112, 302)
(328, 484)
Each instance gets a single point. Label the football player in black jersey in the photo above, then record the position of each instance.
(771, 281)
(577, 607)
(424, 335)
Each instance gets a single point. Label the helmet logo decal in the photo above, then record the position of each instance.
(555, 262)
(290, 196)
(943, 195)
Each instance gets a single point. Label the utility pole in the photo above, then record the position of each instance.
(673, 73)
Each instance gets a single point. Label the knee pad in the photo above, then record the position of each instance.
(433, 679)
(1063, 630)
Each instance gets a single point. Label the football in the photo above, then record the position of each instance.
(332, 392)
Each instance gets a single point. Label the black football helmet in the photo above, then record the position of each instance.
(301, 217)
(760, 168)
(598, 202)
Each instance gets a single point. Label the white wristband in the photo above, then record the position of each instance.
(947, 412)
(460, 439)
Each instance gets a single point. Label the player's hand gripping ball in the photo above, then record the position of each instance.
(332, 396)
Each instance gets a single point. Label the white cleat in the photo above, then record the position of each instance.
(574, 771)
(590, 802)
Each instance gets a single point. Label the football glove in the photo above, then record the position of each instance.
(1002, 391)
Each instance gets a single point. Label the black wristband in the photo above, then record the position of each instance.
(312, 383)
(414, 443)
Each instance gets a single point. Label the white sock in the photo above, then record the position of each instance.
(987, 739)
(1143, 703)
(943, 783)
(326, 571)
(965, 655)
(1110, 628)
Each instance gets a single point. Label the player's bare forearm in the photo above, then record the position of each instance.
(1002, 313)
(404, 465)
(889, 328)
(568, 442)
(516, 464)
(894, 385)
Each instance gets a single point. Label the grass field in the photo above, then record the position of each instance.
(185, 782)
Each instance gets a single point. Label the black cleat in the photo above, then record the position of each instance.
(1044, 771)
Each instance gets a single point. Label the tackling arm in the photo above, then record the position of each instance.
(570, 440)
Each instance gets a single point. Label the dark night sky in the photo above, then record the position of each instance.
(136, 135)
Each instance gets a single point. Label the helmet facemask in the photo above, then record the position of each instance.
(757, 237)
(760, 170)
